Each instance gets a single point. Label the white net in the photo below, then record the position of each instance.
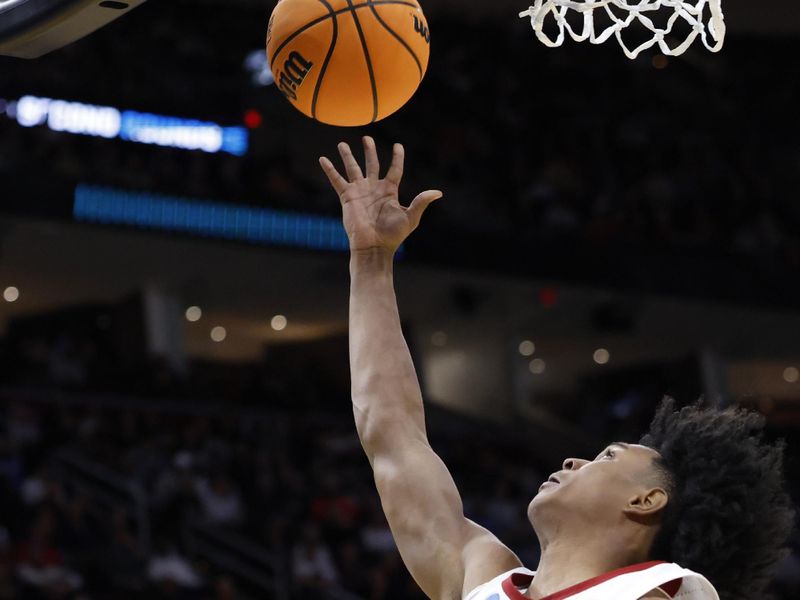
(692, 13)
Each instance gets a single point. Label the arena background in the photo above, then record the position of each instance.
(613, 231)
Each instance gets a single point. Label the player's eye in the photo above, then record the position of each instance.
(607, 453)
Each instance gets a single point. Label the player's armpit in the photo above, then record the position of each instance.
(438, 544)
(484, 557)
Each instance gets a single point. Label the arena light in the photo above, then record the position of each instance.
(11, 294)
(194, 314)
(279, 322)
(129, 125)
(537, 366)
(256, 64)
(601, 356)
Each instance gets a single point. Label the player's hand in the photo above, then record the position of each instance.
(371, 210)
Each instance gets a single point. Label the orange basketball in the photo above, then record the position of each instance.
(348, 62)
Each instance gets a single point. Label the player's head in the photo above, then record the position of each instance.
(622, 488)
(702, 489)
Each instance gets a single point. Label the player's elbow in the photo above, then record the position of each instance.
(382, 428)
(368, 426)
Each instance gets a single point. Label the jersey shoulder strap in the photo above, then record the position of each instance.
(493, 589)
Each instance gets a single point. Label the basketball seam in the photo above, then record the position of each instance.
(305, 27)
(327, 59)
(397, 37)
(369, 62)
(319, 20)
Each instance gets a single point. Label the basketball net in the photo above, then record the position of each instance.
(712, 33)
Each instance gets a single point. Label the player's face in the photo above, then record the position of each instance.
(596, 491)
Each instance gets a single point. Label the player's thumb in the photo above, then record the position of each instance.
(420, 203)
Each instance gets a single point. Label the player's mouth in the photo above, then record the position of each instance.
(550, 482)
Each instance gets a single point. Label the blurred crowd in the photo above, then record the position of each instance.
(576, 145)
(292, 482)
(295, 484)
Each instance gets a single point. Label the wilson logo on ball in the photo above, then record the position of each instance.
(422, 29)
(294, 73)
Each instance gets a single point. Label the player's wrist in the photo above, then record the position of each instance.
(374, 259)
(372, 253)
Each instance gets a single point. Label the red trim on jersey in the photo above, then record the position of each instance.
(672, 587)
(521, 580)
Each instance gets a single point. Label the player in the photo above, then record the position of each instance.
(701, 490)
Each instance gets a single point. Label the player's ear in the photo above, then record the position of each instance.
(647, 504)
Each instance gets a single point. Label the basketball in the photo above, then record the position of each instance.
(348, 62)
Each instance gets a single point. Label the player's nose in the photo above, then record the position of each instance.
(573, 464)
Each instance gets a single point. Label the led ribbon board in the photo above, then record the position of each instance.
(143, 128)
(208, 219)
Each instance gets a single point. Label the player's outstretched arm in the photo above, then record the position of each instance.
(447, 554)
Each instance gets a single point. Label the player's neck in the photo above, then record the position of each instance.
(565, 562)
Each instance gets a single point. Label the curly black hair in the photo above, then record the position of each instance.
(728, 516)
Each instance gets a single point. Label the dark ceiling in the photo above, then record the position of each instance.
(742, 16)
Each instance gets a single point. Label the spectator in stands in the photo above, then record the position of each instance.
(312, 562)
(40, 562)
(219, 499)
(172, 574)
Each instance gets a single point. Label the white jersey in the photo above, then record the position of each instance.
(628, 583)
